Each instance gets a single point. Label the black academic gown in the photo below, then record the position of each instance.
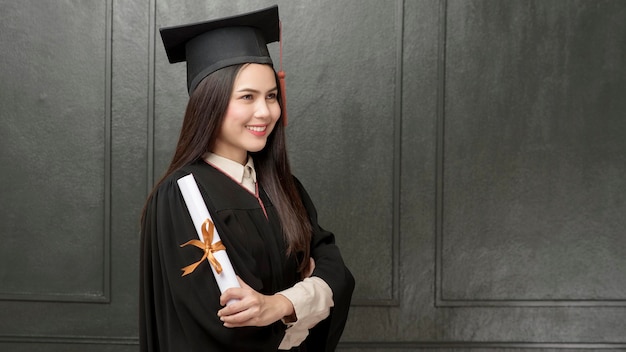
(180, 313)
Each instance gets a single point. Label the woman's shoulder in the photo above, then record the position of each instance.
(170, 182)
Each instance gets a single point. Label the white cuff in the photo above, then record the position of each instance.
(312, 299)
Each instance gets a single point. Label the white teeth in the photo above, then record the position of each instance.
(256, 128)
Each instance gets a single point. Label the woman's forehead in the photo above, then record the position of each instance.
(257, 77)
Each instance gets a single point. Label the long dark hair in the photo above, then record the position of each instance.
(201, 126)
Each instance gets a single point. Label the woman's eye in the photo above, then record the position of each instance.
(271, 96)
(247, 97)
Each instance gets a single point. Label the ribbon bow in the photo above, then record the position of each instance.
(208, 247)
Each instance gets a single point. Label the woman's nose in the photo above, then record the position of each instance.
(262, 109)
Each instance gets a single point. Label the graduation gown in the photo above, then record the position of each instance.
(180, 313)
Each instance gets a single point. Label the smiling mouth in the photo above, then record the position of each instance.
(257, 128)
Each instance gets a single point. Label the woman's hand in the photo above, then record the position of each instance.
(252, 308)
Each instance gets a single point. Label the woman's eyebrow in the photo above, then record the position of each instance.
(252, 90)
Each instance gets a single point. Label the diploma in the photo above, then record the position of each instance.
(199, 214)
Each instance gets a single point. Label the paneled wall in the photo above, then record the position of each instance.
(468, 155)
(73, 153)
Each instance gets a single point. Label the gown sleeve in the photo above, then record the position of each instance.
(329, 266)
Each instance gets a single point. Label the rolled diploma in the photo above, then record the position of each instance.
(199, 213)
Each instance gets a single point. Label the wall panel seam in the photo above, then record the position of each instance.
(396, 181)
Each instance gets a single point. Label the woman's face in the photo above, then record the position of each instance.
(251, 115)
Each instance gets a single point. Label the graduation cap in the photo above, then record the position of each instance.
(212, 45)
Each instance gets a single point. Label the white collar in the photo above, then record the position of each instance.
(230, 167)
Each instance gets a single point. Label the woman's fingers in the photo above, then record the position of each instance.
(246, 311)
(234, 293)
(252, 308)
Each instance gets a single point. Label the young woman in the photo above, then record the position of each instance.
(295, 289)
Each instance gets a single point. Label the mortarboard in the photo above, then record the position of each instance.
(211, 45)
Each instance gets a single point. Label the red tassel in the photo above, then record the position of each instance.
(281, 75)
(283, 94)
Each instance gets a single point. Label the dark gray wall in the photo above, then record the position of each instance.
(468, 154)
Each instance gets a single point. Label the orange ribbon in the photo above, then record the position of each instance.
(208, 247)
